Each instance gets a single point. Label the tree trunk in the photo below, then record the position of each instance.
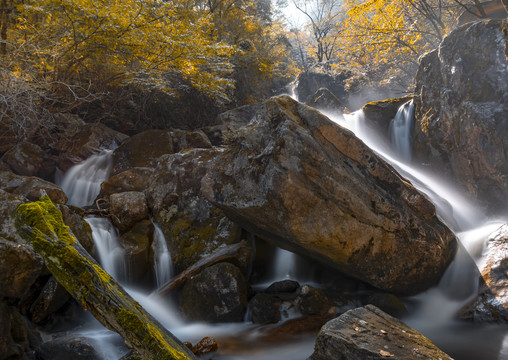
(40, 224)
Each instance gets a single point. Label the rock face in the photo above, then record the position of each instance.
(323, 99)
(294, 178)
(379, 114)
(217, 294)
(311, 81)
(491, 304)
(367, 333)
(461, 104)
(127, 209)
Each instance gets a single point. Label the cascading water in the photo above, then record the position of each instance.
(82, 183)
(401, 130)
(434, 311)
(163, 267)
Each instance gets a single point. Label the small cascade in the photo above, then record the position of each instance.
(292, 90)
(285, 265)
(109, 251)
(163, 266)
(401, 131)
(82, 183)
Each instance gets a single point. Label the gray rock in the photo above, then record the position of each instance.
(461, 105)
(127, 209)
(217, 294)
(24, 159)
(31, 187)
(367, 333)
(324, 100)
(264, 309)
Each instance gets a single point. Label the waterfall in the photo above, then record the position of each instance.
(285, 264)
(82, 183)
(163, 267)
(401, 130)
(108, 249)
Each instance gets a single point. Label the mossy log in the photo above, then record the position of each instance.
(40, 224)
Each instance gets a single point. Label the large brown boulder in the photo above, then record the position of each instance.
(24, 159)
(367, 333)
(491, 303)
(461, 105)
(31, 187)
(296, 179)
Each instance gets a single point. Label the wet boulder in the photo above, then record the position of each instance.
(298, 180)
(68, 348)
(127, 208)
(216, 294)
(137, 243)
(369, 333)
(461, 101)
(491, 303)
(265, 308)
(192, 225)
(312, 301)
(135, 179)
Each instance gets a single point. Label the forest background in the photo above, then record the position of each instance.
(94, 57)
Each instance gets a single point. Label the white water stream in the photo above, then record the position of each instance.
(431, 313)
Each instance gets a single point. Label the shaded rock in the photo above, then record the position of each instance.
(141, 149)
(8, 136)
(309, 82)
(264, 309)
(135, 179)
(31, 187)
(284, 286)
(52, 297)
(312, 301)
(217, 294)
(300, 181)
(16, 337)
(24, 159)
(68, 348)
(461, 104)
(185, 140)
(367, 333)
(137, 243)
(73, 218)
(491, 303)
(388, 303)
(324, 100)
(379, 114)
(127, 209)
(81, 141)
(19, 264)
(287, 330)
(192, 226)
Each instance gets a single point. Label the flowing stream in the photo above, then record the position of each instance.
(432, 312)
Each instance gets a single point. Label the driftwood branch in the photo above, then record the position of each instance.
(228, 253)
(40, 224)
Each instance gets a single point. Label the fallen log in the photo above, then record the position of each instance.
(40, 224)
(229, 253)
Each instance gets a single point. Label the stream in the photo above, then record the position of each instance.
(432, 313)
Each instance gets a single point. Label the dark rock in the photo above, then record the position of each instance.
(491, 303)
(312, 301)
(137, 243)
(192, 226)
(461, 104)
(19, 264)
(324, 100)
(135, 179)
(264, 309)
(284, 286)
(68, 348)
(367, 333)
(309, 82)
(305, 184)
(52, 297)
(127, 209)
(379, 114)
(24, 159)
(141, 149)
(186, 140)
(388, 303)
(73, 217)
(217, 294)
